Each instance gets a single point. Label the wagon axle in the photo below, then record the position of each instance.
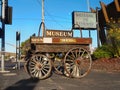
(78, 62)
(38, 66)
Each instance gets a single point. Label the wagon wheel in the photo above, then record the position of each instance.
(77, 63)
(40, 66)
(26, 68)
(58, 64)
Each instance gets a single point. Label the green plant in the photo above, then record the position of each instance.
(113, 33)
(104, 51)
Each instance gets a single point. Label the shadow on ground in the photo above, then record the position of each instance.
(26, 84)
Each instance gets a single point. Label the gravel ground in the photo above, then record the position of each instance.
(109, 65)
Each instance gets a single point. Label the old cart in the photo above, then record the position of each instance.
(58, 51)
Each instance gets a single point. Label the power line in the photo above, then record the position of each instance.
(39, 2)
(51, 16)
(26, 18)
(58, 17)
(37, 19)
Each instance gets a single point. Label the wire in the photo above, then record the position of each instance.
(34, 19)
(63, 18)
(52, 16)
(39, 2)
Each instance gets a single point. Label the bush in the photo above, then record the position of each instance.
(113, 35)
(104, 51)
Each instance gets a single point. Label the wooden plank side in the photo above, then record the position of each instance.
(72, 40)
(59, 40)
(58, 47)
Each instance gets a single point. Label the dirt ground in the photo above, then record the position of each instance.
(109, 65)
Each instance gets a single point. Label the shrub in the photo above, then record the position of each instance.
(113, 35)
(105, 51)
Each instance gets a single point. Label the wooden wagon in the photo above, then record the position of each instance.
(58, 52)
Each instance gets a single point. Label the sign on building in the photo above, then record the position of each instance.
(84, 20)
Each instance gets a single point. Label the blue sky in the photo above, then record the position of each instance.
(27, 17)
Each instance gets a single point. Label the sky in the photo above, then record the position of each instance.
(26, 18)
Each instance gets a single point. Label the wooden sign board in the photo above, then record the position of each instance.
(83, 20)
(59, 33)
(57, 40)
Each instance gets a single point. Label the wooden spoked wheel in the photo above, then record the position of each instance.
(26, 68)
(58, 64)
(77, 62)
(40, 66)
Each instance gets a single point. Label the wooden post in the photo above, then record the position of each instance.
(98, 40)
(105, 12)
(117, 5)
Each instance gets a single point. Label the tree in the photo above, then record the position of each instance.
(25, 46)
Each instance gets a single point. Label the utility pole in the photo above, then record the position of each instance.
(3, 37)
(88, 6)
(43, 18)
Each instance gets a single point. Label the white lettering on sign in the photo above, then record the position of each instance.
(47, 40)
(68, 40)
(54, 33)
(36, 40)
